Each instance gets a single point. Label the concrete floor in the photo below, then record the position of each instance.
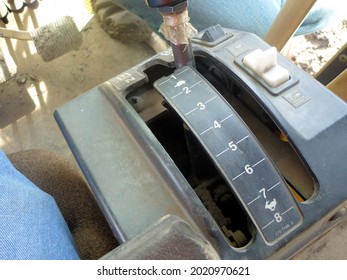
(28, 100)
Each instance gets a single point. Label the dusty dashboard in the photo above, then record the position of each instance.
(259, 169)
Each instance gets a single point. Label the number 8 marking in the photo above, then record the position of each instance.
(278, 217)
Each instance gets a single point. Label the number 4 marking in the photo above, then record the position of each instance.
(216, 124)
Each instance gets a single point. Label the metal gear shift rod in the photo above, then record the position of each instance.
(176, 29)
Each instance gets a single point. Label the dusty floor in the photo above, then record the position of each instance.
(312, 51)
(28, 100)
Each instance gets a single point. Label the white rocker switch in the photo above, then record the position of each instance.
(264, 64)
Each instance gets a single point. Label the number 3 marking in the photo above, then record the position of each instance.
(201, 106)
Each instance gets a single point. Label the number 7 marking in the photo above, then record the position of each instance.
(263, 190)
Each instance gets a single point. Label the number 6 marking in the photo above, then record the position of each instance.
(248, 169)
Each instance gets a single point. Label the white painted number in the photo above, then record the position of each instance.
(248, 169)
(278, 217)
(201, 106)
(216, 124)
(263, 192)
(186, 90)
(232, 146)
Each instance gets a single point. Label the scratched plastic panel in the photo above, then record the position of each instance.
(234, 150)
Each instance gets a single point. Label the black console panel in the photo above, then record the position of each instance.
(258, 170)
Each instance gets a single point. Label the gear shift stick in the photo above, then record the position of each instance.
(176, 29)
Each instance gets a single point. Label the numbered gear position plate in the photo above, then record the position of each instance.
(234, 150)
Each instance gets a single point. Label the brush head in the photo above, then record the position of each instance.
(57, 38)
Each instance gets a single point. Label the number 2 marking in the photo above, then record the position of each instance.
(186, 90)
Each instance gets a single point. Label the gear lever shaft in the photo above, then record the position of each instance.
(176, 29)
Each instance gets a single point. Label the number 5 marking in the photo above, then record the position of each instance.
(232, 146)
